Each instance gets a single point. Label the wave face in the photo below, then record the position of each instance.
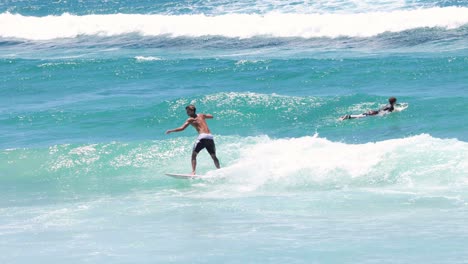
(283, 25)
(251, 164)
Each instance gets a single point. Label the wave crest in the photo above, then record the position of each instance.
(231, 25)
(415, 162)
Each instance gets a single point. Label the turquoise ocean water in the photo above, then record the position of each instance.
(88, 88)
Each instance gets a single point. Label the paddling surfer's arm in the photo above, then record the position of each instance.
(181, 128)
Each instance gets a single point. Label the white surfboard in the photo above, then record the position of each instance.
(397, 108)
(184, 176)
(401, 107)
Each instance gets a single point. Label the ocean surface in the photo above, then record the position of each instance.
(88, 89)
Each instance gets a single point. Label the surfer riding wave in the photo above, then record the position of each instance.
(204, 140)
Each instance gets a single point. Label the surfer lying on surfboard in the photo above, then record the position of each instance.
(204, 139)
(384, 110)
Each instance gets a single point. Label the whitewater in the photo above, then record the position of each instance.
(232, 25)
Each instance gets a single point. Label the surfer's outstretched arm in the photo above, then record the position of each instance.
(208, 116)
(181, 128)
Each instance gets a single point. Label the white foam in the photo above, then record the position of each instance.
(231, 25)
(415, 162)
(149, 58)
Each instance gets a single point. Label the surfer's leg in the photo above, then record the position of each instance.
(199, 145)
(210, 147)
(194, 162)
(215, 160)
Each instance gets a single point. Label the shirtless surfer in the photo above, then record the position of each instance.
(204, 140)
(384, 110)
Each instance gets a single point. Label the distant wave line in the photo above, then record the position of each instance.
(330, 25)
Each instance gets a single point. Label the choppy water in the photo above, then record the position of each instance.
(87, 90)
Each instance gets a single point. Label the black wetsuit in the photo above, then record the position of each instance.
(387, 108)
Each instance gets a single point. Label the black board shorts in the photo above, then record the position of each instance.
(205, 143)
